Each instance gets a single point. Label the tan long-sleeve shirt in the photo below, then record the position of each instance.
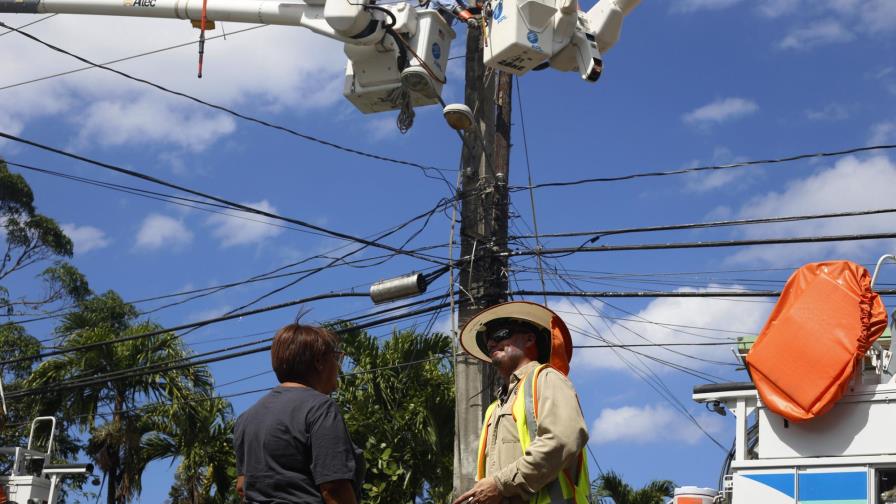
(560, 435)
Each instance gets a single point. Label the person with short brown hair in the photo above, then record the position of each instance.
(292, 445)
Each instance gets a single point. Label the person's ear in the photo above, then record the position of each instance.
(530, 340)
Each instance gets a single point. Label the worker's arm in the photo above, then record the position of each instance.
(338, 492)
(241, 487)
(561, 434)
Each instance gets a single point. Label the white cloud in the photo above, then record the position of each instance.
(777, 8)
(720, 111)
(232, 230)
(651, 423)
(664, 320)
(698, 5)
(824, 32)
(86, 238)
(830, 112)
(158, 231)
(851, 184)
(150, 120)
(381, 127)
(883, 133)
(268, 69)
(879, 16)
(704, 182)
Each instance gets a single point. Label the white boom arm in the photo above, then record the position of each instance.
(397, 53)
(309, 15)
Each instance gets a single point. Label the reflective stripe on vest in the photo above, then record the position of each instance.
(563, 489)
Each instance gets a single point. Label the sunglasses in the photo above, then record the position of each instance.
(500, 335)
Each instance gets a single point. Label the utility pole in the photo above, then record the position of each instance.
(484, 210)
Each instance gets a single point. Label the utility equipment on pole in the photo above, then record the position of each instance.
(483, 275)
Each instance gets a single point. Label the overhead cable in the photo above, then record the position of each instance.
(700, 225)
(563, 251)
(741, 164)
(425, 168)
(64, 385)
(26, 25)
(87, 346)
(120, 60)
(663, 294)
(232, 204)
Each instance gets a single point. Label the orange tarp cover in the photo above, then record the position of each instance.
(821, 327)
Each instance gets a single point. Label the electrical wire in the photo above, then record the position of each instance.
(214, 320)
(561, 252)
(742, 164)
(665, 294)
(217, 199)
(425, 168)
(519, 98)
(7, 32)
(702, 225)
(101, 379)
(120, 60)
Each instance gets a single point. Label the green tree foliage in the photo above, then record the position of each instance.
(32, 238)
(112, 412)
(201, 434)
(611, 485)
(28, 239)
(402, 417)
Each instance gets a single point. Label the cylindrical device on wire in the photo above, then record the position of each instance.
(398, 288)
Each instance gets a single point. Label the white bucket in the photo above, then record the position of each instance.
(694, 495)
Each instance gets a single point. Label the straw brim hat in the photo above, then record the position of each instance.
(554, 337)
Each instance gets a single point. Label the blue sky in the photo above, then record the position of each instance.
(691, 82)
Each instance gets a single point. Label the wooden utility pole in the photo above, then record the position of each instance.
(484, 210)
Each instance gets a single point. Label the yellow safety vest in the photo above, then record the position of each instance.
(563, 489)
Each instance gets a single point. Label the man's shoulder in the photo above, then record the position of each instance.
(551, 376)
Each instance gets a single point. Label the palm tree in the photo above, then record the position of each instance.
(201, 434)
(110, 410)
(612, 485)
(401, 415)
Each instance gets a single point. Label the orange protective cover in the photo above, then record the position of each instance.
(818, 333)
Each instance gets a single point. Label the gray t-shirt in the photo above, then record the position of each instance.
(290, 442)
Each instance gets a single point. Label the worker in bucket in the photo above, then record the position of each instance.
(533, 436)
(451, 9)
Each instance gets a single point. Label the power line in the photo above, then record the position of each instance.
(201, 397)
(232, 204)
(705, 168)
(701, 225)
(192, 362)
(563, 251)
(634, 345)
(26, 26)
(200, 323)
(425, 168)
(166, 198)
(127, 58)
(519, 99)
(663, 294)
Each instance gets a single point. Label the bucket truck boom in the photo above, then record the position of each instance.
(398, 52)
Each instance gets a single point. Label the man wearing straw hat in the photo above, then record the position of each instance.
(533, 437)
